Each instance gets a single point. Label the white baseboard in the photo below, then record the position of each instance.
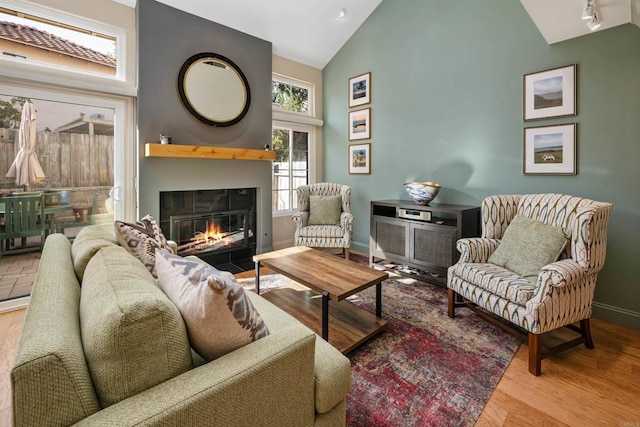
(14, 304)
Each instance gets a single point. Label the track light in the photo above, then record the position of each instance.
(591, 15)
(594, 23)
(589, 10)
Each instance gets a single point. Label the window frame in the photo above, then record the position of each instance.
(125, 150)
(298, 83)
(310, 131)
(306, 122)
(56, 74)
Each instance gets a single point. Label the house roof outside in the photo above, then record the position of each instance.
(31, 36)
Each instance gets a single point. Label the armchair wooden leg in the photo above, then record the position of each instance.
(451, 308)
(346, 253)
(585, 326)
(535, 354)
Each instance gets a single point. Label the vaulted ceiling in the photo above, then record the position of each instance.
(311, 33)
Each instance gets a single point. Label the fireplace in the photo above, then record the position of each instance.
(217, 226)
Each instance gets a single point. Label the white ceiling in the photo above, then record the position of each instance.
(559, 20)
(309, 31)
(306, 31)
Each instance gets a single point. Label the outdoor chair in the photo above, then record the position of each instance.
(535, 266)
(82, 220)
(324, 217)
(24, 217)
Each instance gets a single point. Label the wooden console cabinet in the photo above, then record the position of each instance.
(420, 236)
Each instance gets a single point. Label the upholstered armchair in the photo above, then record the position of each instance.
(560, 294)
(324, 217)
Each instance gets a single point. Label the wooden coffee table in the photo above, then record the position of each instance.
(345, 326)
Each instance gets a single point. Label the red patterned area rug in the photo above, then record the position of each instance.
(425, 369)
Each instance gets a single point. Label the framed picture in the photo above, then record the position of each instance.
(550, 150)
(550, 93)
(360, 90)
(360, 158)
(360, 124)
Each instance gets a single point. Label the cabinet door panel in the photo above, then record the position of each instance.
(433, 245)
(391, 238)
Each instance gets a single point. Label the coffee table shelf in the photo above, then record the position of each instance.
(328, 277)
(349, 325)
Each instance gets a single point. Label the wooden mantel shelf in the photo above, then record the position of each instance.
(205, 152)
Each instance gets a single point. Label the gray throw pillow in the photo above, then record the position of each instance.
(528, 245)
(324, 210)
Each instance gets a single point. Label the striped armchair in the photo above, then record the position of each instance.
(323, 236)
(563, 292)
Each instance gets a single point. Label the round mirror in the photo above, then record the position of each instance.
(214, 89)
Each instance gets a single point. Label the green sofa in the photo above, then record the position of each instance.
(101, 345)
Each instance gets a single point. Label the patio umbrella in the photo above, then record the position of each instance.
(26, 168)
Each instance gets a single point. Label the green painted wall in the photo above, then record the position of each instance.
(447, 107)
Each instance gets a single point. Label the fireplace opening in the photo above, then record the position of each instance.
(199, 234)
(217, 226)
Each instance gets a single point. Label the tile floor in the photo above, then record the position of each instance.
(17, 273)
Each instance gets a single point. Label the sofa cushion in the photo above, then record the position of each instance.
(322, 231)
(324, 210)
(219, 316)
(133, 336)
(89, 241)
(142, 239)
(528, 245)
(497, 280)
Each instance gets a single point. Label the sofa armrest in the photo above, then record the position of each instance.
(476, 249)
(561, 273)
(301, 219)
(269, 382)
(346, 221)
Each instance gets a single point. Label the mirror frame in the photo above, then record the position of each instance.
(185, 99)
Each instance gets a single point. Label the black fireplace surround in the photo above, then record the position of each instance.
(218, 226)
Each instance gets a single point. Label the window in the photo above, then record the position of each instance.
(292, 145)
(291, 95)
(292, 139)
(46, 38)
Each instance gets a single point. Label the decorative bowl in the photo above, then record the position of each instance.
(422, 192)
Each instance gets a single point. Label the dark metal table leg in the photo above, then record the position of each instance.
(379, 299)
(258, 277)
(325, 316)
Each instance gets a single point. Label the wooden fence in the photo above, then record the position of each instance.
(68, 160)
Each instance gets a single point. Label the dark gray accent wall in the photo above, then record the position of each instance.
(167, 37)
(447, 106)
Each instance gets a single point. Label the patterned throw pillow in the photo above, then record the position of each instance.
(142, 239)
(219, 316)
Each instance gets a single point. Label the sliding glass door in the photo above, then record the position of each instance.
(84, 144)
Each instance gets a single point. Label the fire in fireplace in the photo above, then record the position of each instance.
(197, 234)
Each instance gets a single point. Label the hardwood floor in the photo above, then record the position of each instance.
(580, 387)
(599, 387)
(10, 326)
